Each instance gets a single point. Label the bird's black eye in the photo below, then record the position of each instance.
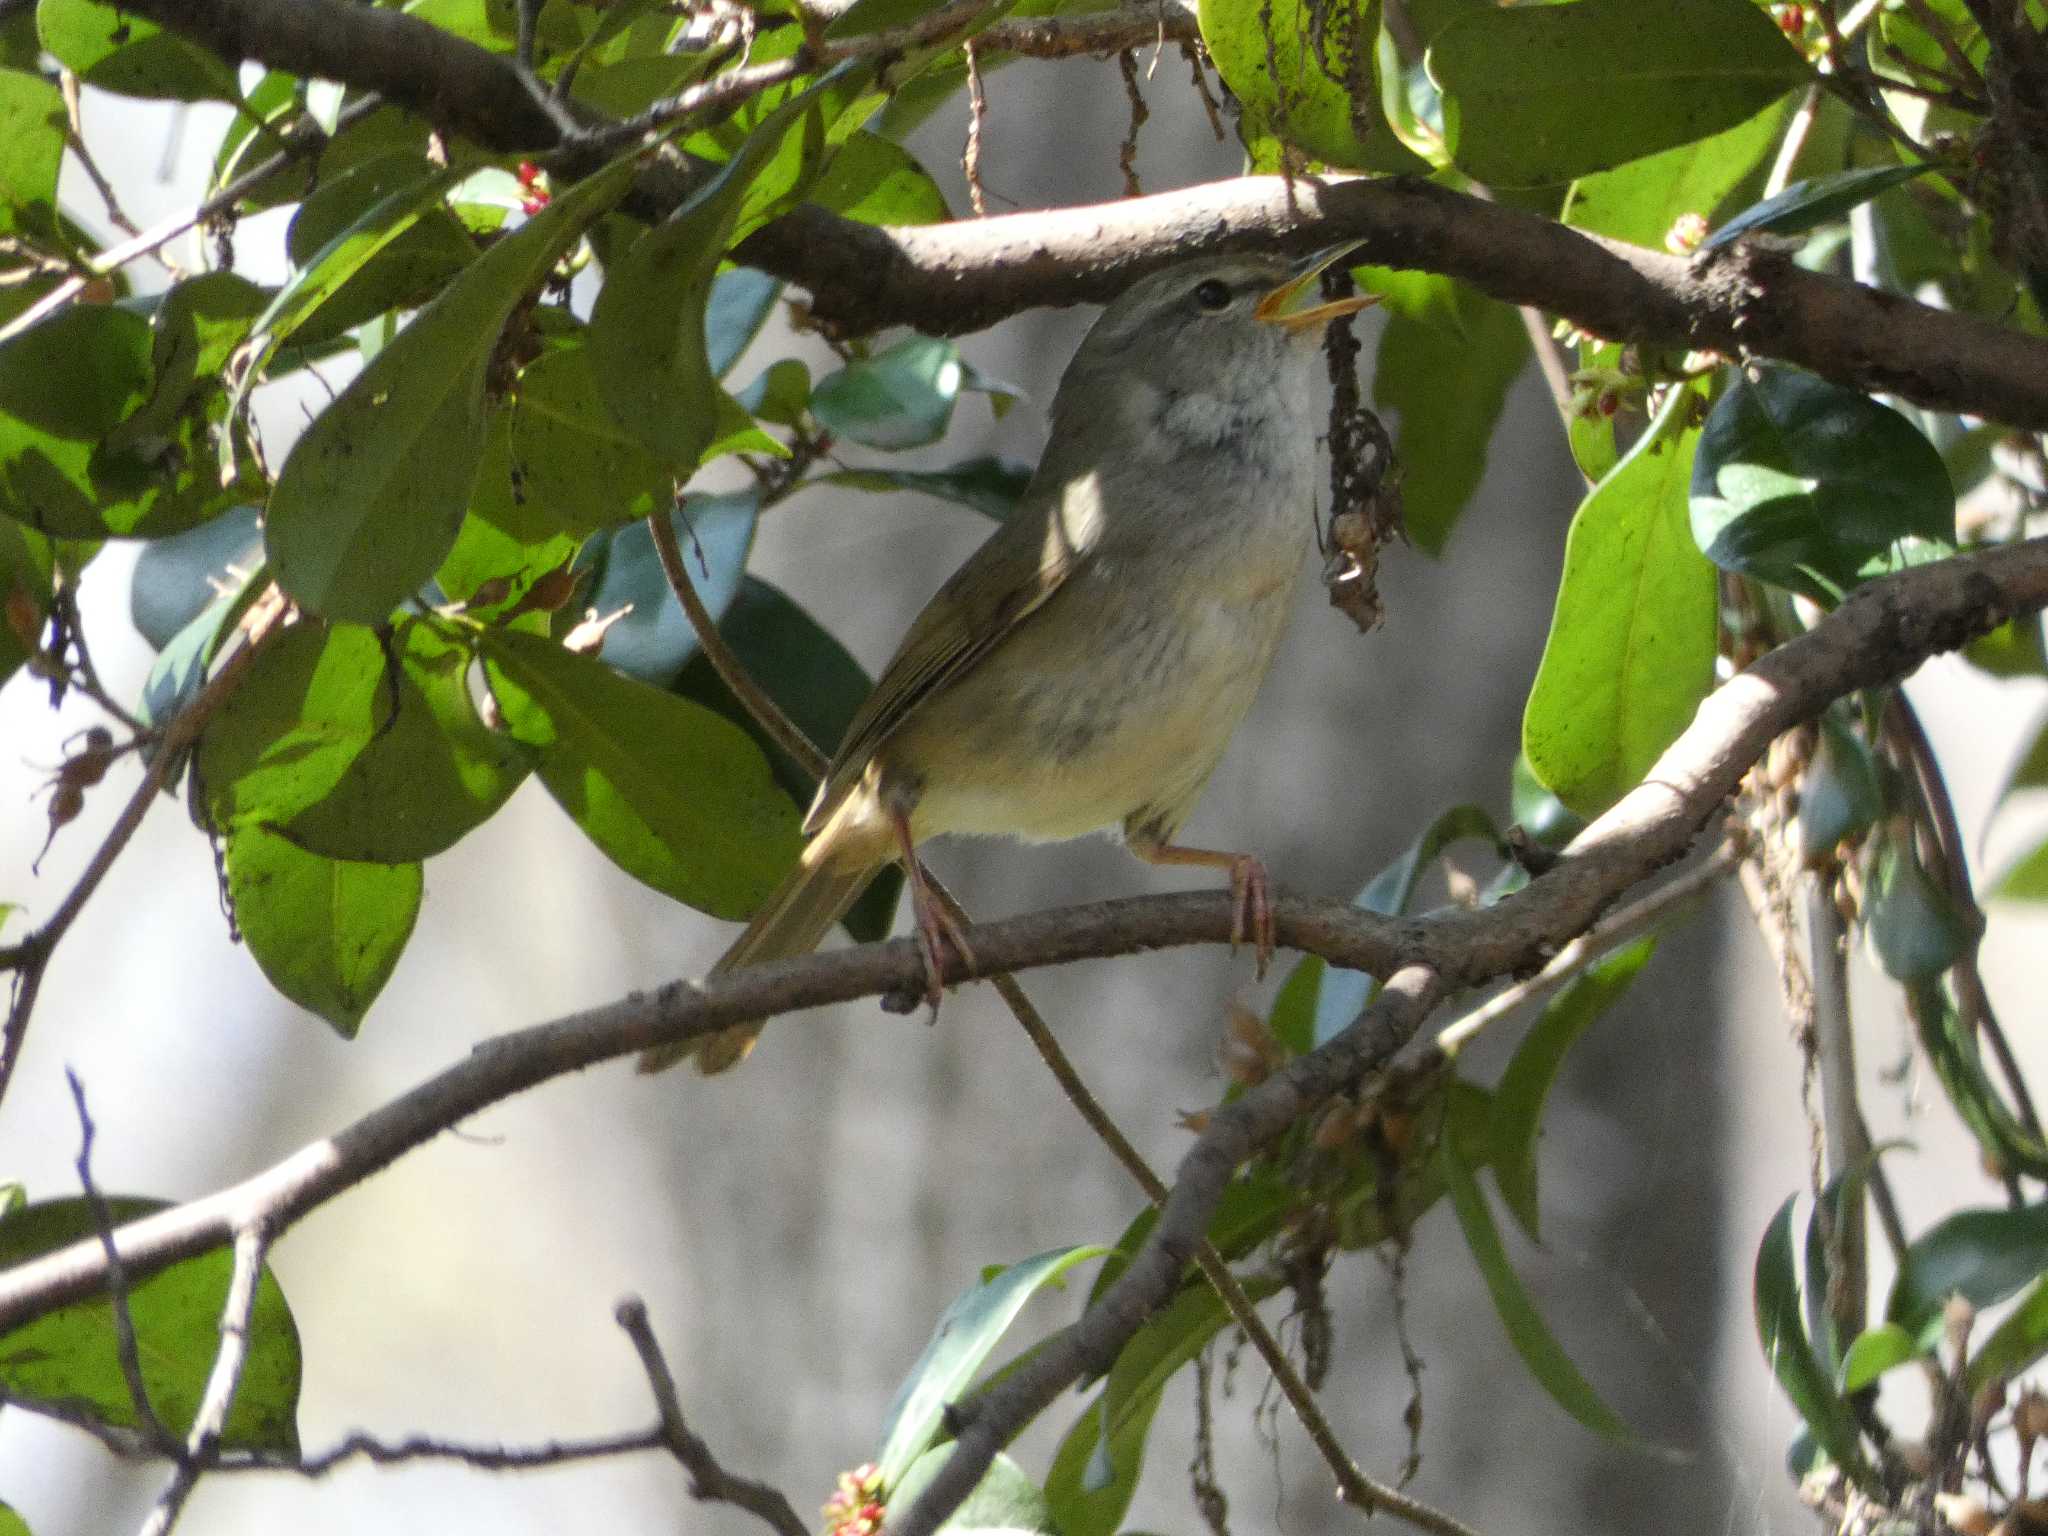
(1213, 295)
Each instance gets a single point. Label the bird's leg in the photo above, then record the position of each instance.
(935, 926)
(1251, 895)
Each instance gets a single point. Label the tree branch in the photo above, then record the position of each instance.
(1880, 633)
(950, 278)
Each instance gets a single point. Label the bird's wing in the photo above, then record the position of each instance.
(967, 618)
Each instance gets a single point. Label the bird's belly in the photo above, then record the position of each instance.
(1085, 721)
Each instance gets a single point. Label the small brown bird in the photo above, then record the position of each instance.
(1085, 668)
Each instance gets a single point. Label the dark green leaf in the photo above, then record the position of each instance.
(1538, 94)
(1816, 487)
(369, 502)
(1537, 811)
(989, 485)
(1525, 1085)
(1254, 1205)
(571, 457)
(1090, 1484)
(1631, 646)
(1448, 391)
(327, 933)
(1533, 1341)
(1804, 204)
(178, 578)
(1840, 794)
(69, 1357)
(1641, 201)
(1873, 1352)
(2026, 879)
(648, 328)
(1781, 1330)
(356, 753)
(1912, 924)
(673, 794)
(878, 182)
(118, 51)
(26, 562)
(817, 684)
(2020, 1339)
(654, 641)
(1005, 1500)
(1306, 75)
(967, 1331)
(901, 397)
(2014, 649)
(1983, 1256)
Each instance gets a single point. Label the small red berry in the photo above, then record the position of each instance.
(529, 173)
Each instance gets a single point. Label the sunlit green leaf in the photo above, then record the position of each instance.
(902, 397)
(32, 127)
(68, 1357)
(1873, 1352)
(118, 51)
(1641, 201)
(1005, 1500)
(1781, 1330)
(879, 182)
(1631, 646)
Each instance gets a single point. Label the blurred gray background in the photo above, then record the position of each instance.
(797, 1227)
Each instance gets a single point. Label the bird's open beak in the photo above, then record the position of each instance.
(1286, 305)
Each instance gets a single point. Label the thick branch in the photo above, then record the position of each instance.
(958, 277)
(1745, 301)
(1880, 634)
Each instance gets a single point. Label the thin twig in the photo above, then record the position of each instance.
(221, 1382)
(1127, 152)
(31, 956)
(125, 1348)
(709, 1482)
(1590, 948)
(1098, 32)
(977, 117)
(74, 134)
(754, 699)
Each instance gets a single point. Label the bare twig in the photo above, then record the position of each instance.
(221, 1382)
(977, 119)
(709, 1482)
(1096, 32)
(1127, 152)
(30, 957)
(125, 1349)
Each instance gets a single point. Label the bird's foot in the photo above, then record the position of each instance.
(1251, 908)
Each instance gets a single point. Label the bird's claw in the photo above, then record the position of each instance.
(1251, 906)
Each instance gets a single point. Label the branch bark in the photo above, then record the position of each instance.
(950, 278)
(1879, 634)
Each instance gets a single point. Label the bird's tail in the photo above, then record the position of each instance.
(794, 921)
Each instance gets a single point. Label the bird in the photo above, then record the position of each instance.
(1086, 666)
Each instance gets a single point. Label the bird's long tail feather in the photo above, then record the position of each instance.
(794, 921)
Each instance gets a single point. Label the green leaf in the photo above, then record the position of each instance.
(1781, 1331)
(1873, 1352)
(2031, 771)
(1631, 646)
(1911, 922)
(1804, 204)
(571, 456)
(902, 397)
(655, 641)
(32, 127)
(356, 753)
(118, 51)
(2026, 879)
(1640, 202)
(1090, 1484)
(1983, 1256)
(1253, 1206)
(2020, 1339)
(989, 485)
(326, 932)
(967, 1331)
(1448, 390)
(878, 182)
(69, 1357)
(11, 1523)
(1840, 794)
(1342, 995)
(1525, 1086)
(817, 684)
(781, 393)
(2014, 649)
(1537, 811)
(369, 502)
(1815, 487)
(648, 327)
(1539, 1349)
(671, 793)
(1005, 1499)
(1539, 94)
(1305, 74)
